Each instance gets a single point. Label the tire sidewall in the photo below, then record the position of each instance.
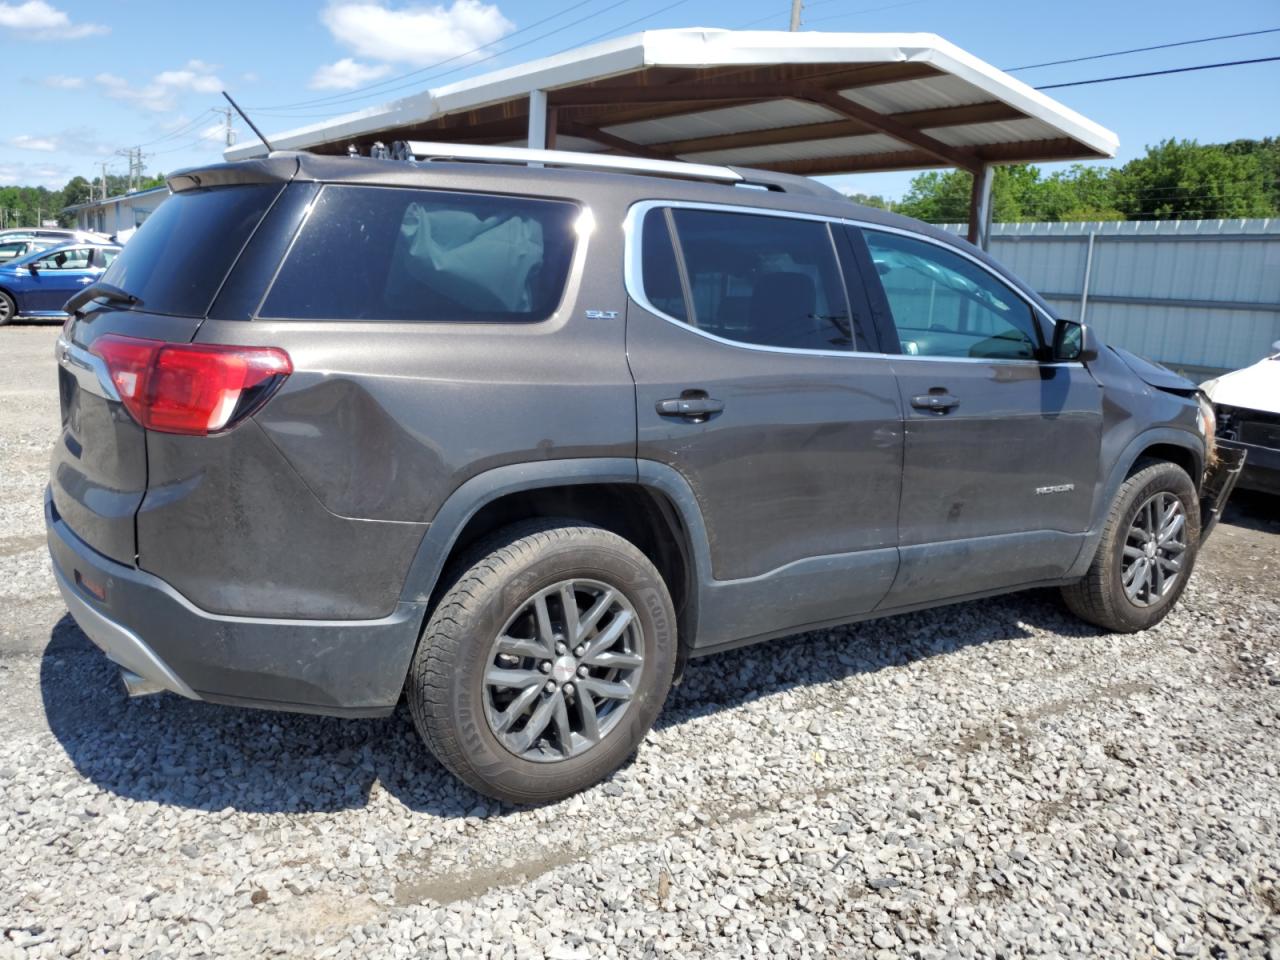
(636, 579)
(13, 309)
(1167, 479)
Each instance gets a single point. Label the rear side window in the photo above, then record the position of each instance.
(945, 305)
(765, 280)
(380, 253)
(177, 260)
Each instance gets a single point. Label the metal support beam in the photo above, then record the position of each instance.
(1088, 274)
(537, 119)
(952, 156)
(980, 207)
(570, 129)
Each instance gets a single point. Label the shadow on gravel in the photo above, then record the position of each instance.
(204, 756)
(1254, 511)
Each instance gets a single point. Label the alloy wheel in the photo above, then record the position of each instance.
(1154, 550)
(563, 671)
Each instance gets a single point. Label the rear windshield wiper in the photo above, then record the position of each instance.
(99, 291)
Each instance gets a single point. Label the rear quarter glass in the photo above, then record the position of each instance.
(391, 254)
(178, 259)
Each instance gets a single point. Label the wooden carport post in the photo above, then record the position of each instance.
(980, 207)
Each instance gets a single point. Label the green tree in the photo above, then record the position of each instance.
(1183, 180)
(870, 200)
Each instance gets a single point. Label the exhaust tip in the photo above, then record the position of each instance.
(138, 686)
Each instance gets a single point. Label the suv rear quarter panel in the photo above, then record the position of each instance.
(377, 425)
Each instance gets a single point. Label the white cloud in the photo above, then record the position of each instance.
(79, 140)
(38, 19)
(34, 175)
(27, 142)
(416, 34)
(347, 73)
(161, 94)
(60, 81)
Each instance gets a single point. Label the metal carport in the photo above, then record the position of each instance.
(804, 103)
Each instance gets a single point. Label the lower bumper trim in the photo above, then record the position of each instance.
(1217, 487)
(121, 645)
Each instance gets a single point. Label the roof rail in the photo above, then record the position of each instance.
(428, 150)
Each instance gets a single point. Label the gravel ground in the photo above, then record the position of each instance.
(989, 780)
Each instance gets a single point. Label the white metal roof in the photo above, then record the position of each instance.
(854, 101)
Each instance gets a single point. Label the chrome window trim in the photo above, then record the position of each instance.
(89, 369)
(633, 273)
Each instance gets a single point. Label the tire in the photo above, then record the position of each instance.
(1101, 596)
(8, 309)
(458, 709)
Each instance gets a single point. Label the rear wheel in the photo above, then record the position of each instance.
(8, 309)
(1148, 547)
(546, 661)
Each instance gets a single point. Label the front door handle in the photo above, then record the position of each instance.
(935, 402)
(692, 405)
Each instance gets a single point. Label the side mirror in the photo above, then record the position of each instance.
(1071, 341)
(35, 271)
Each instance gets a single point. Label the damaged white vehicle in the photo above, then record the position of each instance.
(1247, 403)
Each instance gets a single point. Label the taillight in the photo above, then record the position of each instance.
(190, 388)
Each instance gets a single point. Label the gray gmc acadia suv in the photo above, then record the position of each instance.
(517, 440)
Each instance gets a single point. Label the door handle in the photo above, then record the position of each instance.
(692, 405)
(935, 402)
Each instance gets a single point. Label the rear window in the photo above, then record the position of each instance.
(177, 260)
(382, 253)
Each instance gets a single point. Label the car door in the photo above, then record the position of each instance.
(1001, 445)
(757, 382)
(58, 276)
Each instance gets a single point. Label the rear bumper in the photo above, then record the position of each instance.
(1218, 483)
(337, 667)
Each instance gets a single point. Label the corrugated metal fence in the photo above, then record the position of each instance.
(1202, 296)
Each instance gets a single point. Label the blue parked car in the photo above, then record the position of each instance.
(38, 284)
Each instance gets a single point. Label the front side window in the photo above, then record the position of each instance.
(765, 280)
(74, 259)
(945, 305)
(382, 253)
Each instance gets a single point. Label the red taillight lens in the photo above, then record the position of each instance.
(190, 388)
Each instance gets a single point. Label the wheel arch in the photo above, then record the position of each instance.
(1172, 444)
(651, 505)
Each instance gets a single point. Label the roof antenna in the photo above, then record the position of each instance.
(244, 116)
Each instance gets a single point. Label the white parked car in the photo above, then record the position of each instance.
(1247, 403)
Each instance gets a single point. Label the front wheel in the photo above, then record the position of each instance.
(546, 661)
(1149, 545)
(8, 309)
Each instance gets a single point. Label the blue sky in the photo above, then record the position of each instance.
(89, 78)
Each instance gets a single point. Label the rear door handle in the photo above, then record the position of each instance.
(692, 406)
(936, 402)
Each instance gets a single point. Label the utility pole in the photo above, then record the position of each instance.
(104, 181)
(230, 131)
(796, 7)
(136, 168)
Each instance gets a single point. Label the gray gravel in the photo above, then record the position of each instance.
(991, 780)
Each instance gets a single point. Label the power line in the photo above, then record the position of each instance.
(342, 97)
(1157, 73)
(179, 131)
(854, 13)
(1158, 46)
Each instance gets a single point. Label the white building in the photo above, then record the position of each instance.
(118, 216)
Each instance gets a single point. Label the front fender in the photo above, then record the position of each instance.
(1120, 469)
